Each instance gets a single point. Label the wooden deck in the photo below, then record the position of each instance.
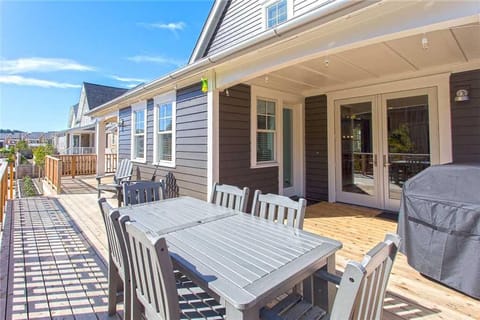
(410, 295)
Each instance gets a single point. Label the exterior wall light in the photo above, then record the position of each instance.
(461, 95)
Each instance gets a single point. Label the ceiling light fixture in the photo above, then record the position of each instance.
(326, 62)
(424, 42)
(266, 79)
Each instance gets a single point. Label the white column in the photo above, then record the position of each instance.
(100, 146)
(213, 141)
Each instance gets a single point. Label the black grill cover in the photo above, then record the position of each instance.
(439, 223)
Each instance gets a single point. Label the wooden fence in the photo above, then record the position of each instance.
(53, 172)
(110, 162)
(79, 164)
(6, 183)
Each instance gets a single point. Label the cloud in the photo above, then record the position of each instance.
(24, 65)
(157, 60)
(172, 26)
(122, 79)
(22, 81)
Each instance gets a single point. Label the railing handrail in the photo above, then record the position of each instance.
(3, 188)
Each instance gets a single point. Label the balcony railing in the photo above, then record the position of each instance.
(53, 172)
(80, 150)
(78, 165)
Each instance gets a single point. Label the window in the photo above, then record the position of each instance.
(164, 140)
(276, 13)
(266, 134)
(138, 132)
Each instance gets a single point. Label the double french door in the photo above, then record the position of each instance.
(382, 141)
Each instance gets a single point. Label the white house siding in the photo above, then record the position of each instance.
(304, 6)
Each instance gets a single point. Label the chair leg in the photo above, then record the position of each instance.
(114, 282)
(127, 301)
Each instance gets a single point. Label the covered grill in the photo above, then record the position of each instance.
(439, 223)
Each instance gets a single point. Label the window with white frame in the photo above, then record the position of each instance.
(138, 133)
(164, 151)
(276, 13)
(266, 131)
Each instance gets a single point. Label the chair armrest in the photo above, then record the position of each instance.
(124, 177)
(322, 274)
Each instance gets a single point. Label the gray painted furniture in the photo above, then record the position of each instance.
(360, 293)
(135, 192)
(123, 173)
(241, 260)
(280, 209)
(118, 269)
(230, 196)
(154, 281)
(171, 187)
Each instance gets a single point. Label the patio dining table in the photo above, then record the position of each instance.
(243, 261)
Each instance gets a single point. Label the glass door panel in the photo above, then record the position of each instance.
(357, 157)
(408, 140)
(287, 148)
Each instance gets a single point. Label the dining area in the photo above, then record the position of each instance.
(246, 260)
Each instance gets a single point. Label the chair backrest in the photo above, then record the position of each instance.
(153, 275)
(117, 250)
(142, 191)
(124, 171)
(230, 196)
(171, 188)
(363, 285)
(280, 209)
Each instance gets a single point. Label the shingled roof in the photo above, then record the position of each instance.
(97, 94)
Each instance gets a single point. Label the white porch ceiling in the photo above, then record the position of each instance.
(446, 48)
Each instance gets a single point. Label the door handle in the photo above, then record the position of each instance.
(385, 162)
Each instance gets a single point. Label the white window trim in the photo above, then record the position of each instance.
(138, 107)
(266, 3)
(169, 97)
(258, 93)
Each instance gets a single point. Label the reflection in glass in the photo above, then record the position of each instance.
(408, 140)
(357, 148)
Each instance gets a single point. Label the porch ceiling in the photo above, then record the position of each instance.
(444, 50)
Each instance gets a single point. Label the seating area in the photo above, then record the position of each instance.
(265, 209)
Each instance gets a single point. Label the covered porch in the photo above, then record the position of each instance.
(70, 226)
(358, 107)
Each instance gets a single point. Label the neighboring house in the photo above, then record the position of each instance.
(79, 138)
(330, 100)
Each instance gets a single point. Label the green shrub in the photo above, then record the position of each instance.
(28, 187)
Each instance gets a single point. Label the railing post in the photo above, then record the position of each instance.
(59, 177)
(74, 165)
(11, 180)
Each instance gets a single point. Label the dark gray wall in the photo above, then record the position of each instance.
(466, 117)
(234, 152)
(316, 156)
(125, 134)
(191, 143)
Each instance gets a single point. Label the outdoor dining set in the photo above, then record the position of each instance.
(176, 257)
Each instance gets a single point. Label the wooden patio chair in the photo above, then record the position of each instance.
(122, 174)
(171, 187)
(360, 293)
(156, 288)
(279, 209)
(119, 283)
(135, 192)
(230, 196)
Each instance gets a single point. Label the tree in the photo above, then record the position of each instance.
(40, 152)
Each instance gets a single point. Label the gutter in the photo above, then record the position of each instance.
(202, 65)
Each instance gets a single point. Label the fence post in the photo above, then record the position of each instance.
(74, 165)
(11, 180)
(59, 179)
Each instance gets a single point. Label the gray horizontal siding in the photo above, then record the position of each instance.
(234, 151)
(466, 117)
(316, 156)
(191, 144)
(125, 134)
(241, 20)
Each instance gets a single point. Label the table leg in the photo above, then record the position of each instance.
(234, 314)
(321, 292)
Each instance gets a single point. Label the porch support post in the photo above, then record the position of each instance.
(100, 146)
(212, 140)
